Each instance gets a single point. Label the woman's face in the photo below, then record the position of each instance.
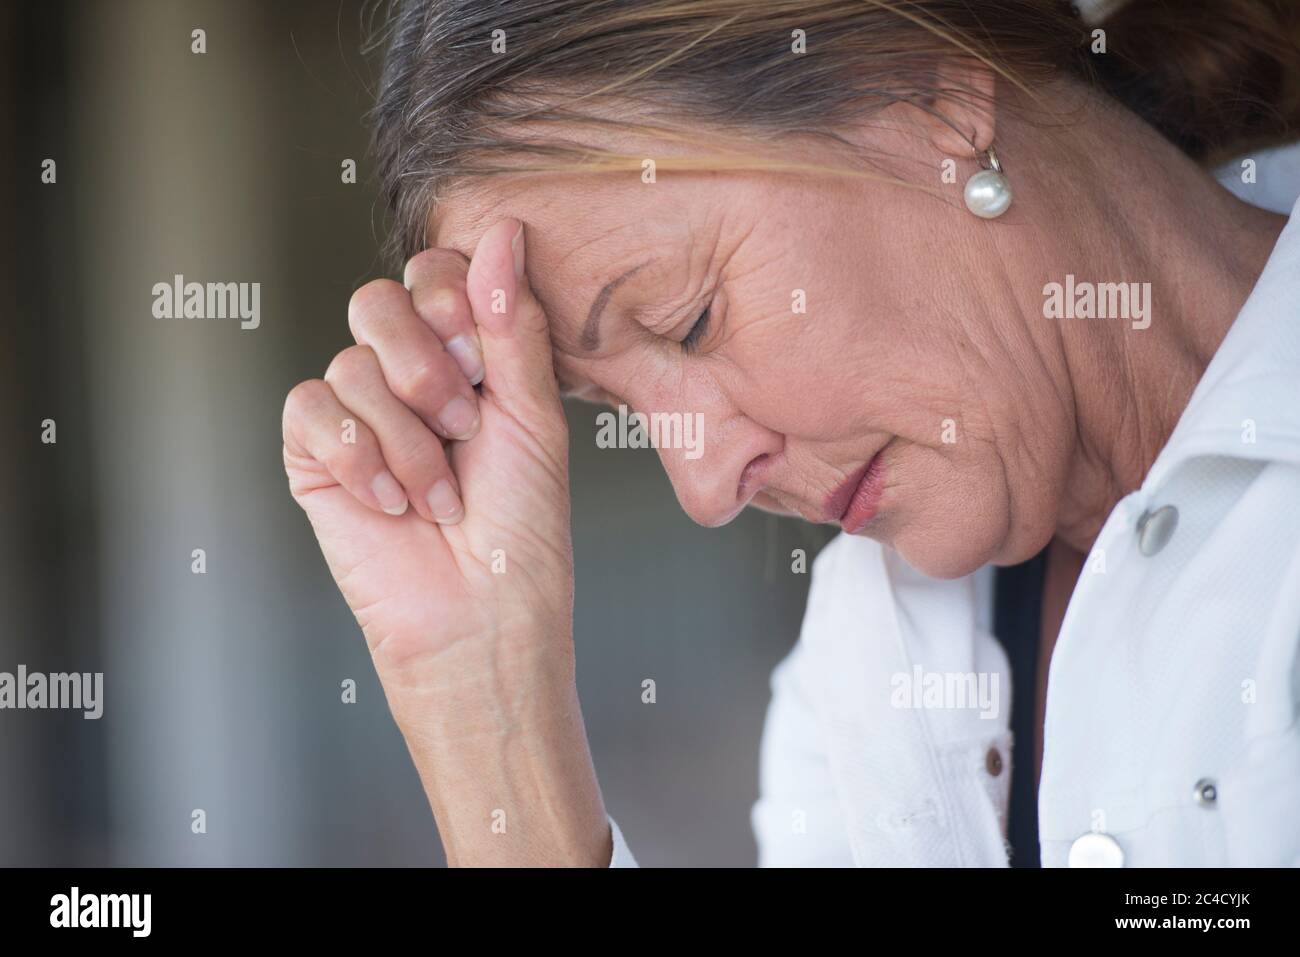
(847, 321)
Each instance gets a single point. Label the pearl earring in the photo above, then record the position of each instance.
(988, 192)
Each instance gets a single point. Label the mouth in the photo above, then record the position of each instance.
(854, 503)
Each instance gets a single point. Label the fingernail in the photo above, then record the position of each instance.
(517, 246)
(391, 497)
(467, 355)
(445, 503)
(459, 418)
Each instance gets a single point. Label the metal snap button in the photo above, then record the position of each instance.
(1156, 528)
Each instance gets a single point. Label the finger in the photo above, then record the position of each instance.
(416, 366)
(512, 324)
(317, 426)
(436, 280)
(412, 453)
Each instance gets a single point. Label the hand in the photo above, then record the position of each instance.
(443, 515)
(445, 522)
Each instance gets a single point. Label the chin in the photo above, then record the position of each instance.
(942, 550)
(937, 561)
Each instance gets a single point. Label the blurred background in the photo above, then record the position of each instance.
(222, 690)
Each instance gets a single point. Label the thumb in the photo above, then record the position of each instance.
(513, 327)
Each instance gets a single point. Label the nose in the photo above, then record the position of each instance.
(716, 479)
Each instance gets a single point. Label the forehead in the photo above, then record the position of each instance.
(584, 232)
(563, 211)
(566, 197)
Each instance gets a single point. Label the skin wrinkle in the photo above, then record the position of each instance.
(1079, 530)
(604, 237)
(990, 421)
(1028, 464)
(918, 312)
(692, 244)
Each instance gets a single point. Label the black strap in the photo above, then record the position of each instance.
(1017, 624)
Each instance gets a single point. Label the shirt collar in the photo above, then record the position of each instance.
(1247, 404)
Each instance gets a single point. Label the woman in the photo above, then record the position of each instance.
(950, 275)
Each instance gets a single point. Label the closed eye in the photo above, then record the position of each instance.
(697, 331)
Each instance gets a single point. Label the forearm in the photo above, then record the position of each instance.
(503, 756)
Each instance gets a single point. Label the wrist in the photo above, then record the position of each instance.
(497, 737)
(483, 686)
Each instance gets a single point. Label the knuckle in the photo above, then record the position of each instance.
(366, 322)
(304, 397)
(422, 382)
(376, 296)
(442, 305)
(302, 400)
(351, 365)
(433, 262)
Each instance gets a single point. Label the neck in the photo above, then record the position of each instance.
(1189, 249)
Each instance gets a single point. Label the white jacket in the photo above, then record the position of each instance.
(1171, 732)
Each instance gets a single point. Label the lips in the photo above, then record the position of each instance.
(855, 502)
(838, 503)
(852, 505)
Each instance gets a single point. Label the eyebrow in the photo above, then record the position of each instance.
(590, 338)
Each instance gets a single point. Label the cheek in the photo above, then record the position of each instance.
(827, 377)
(968, 497)
(946, 509)
(795, 363)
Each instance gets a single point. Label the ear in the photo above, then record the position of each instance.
(961, 114)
